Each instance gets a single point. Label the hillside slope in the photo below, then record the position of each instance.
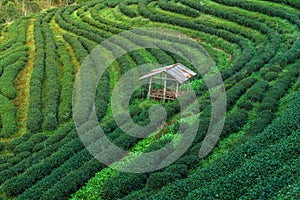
(256, 47)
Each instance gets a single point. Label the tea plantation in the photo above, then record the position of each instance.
(256, 47)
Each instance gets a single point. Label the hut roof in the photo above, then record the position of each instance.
(180, 72)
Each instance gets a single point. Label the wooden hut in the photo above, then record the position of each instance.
(170, 78)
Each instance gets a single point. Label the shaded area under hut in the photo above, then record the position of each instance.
(164, 82)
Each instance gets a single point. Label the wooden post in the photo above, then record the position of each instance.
(161, 80)
(150, 87)
(165, 87)
(177, 89)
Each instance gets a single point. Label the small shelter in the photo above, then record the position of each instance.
(169, 77)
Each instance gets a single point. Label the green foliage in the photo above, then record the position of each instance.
(250, 173)
(238, 169)
(178, 169)
(61, 134)
(120, 185)
(189, 160)
(18, 184)
(49, 146)
(8, 117)
(107, 25)
(170, 6)
(51, 82)
(269, 10)
(245, 104)
(9, 12)
(234, 122)
(56, 164)
(12, 145)
(256, 93)
(71, 184)
(159, 179)
(66, 82)
(1, 146)
(234, 93)
(1, 124)
(7, 79)
(25, 146)
(284, 175)
(127, 10)
(79, 50)
(270, 76)
(64, 20)
(162, 57)
(102, 95)
(35, 117)
(11, 56)
(289, 192)
(269, 104)
(38, 138)
(36, 191)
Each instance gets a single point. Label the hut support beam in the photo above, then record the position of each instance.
(176, 89)
(165, 87)
(160, 78)
(150, 87)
